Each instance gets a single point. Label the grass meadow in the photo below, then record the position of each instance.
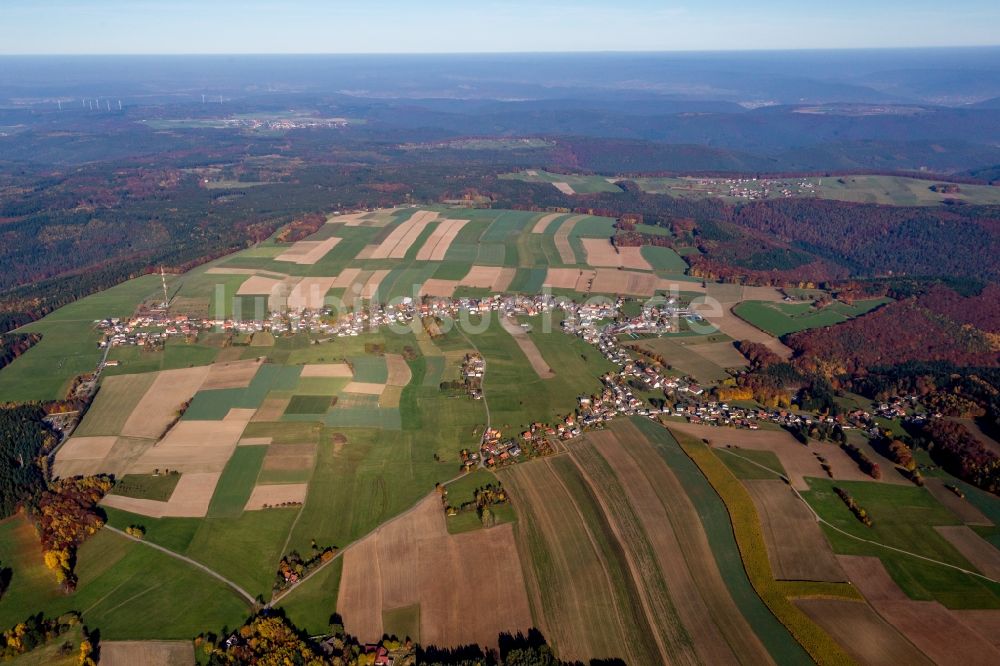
(903, 517)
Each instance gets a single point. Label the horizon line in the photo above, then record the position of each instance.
(816, 49)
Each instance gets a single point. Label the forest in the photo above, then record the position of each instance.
(26, 439)
(15, 344)
(939, 325)
(68, 233)
(954, 448)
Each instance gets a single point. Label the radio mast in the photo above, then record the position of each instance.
(163, 281)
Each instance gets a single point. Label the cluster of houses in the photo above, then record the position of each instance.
(280, 124)
(497, 450)
(156, 326)
(473, 368)
(762, 188)
(148, 329)
(896, 407)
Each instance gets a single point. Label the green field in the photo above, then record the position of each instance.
(783, 318)
(147, 486)
(664, 259)
(126, 589)
(214, 404)
(742, 469)
(237, 482)
(403, 622)
(580, 184)
(308, 404)
(69, 342)
(904, 517)
(682, 354)
(462, 490)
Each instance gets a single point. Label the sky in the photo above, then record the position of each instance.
(485, 26)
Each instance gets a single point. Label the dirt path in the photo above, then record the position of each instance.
(198, 565)
(820, 519)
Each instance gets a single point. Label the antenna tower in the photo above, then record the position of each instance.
(163, 281)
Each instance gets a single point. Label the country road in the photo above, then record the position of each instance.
(482, 390)
(236, 588)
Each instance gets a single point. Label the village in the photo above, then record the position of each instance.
(600, 322)
(753, 189)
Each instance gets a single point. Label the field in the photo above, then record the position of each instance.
(576, 184)
(68, 346)
(675, 591)
(796, 546)
(904, 517)
(703, 357)
(937, 632)
(403, 563)
(864, 634)
(798, 461)
(123, 588)
(149, 653)
(729, 296)
(114, 403)
(783, 318)
(147, 486)
(889, 190)
(280, 441)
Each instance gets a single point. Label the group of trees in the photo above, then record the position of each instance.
(65, 515)
(294, 566)
(859, 512)
(37, 630)
(866, 464)
(483, 498)
(13, 345)
(264, 639)
(270, 638)
(770, 380)
(301, 227)
(952, 446)
(875, 239)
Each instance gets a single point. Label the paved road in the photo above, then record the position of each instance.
(198, 565)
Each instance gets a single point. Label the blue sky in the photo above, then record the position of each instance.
(446, 26)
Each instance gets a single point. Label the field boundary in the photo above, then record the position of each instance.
(746, 527)
(823, 521)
